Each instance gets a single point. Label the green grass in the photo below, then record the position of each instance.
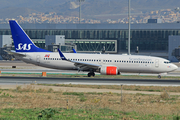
(83, 98)
(125, 87)
(73, 93)
(76, 114)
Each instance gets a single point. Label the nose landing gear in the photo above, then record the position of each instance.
(159, 76)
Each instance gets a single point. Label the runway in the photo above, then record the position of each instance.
(21, 67)
(87, 81)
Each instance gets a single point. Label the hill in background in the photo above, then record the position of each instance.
(98, 9)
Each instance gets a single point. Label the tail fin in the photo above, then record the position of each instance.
(22, 41)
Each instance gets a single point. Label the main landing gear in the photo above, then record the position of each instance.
(91, 73)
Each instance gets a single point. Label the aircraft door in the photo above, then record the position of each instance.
(157, 63)
(38, 58)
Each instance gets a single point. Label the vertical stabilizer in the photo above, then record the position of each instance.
(22, 42)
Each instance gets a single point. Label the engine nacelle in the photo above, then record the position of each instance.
(109, 70)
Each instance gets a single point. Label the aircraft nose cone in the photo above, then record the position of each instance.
(175, 67)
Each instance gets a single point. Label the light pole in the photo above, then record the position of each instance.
(80, 10)
(129, 26)
(177, 10)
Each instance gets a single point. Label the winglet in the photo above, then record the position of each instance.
(61, 55)
(74, 50)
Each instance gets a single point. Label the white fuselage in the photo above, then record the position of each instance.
(124, 63)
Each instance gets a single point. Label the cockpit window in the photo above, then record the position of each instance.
(167, 62)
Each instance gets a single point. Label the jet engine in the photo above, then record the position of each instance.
(109, 70)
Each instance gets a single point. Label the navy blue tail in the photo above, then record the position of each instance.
(22, 41)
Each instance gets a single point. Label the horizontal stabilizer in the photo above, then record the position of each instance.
(15, 53)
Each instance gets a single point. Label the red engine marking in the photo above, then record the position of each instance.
(111, 70)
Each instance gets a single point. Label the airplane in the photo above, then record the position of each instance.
(105, 64)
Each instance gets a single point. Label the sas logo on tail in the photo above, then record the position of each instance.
(24, 47)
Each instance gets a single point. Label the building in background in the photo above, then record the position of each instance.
(5, 44)
(151, 38)
(174, 48)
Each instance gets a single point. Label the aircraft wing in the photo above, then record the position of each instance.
(80, 65)
(15, 53)
(85, 66)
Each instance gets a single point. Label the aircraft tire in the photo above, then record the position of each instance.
(159, 76)
(93, 74)
(89, 74)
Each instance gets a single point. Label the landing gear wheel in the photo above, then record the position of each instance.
(159, 76)
(89, 74)
(93, 74)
